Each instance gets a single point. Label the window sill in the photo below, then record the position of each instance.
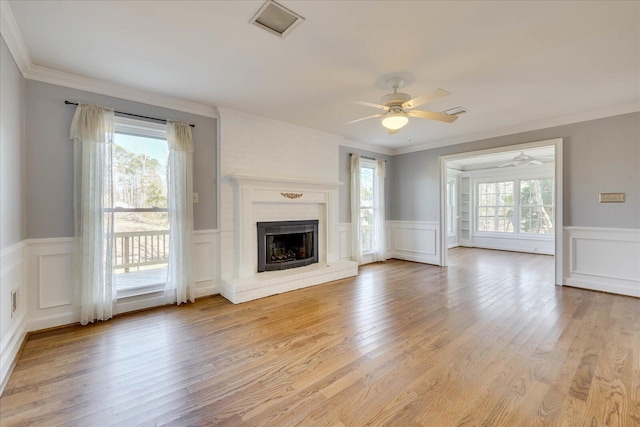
(134, 291)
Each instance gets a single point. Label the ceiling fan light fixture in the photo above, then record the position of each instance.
(395, 121)
(522, 162)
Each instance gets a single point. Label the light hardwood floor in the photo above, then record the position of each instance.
(488, 341)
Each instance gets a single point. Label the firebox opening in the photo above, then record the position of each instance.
(287, 244)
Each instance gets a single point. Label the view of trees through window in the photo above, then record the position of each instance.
(366, 207)
(496, 207)
(536, 206)
(141, 221)
(518, 206)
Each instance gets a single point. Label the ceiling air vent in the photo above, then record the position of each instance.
(456, 111)
(276, 19)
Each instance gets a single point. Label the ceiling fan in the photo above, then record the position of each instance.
(523, 159)
(398, 107)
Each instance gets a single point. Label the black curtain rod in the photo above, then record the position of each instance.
(367, 157)
(131, 114)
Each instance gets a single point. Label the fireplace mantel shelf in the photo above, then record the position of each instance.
(262, 181)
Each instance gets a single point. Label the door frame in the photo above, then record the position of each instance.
(558, 197)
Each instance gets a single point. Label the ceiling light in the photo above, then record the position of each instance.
(395, 121)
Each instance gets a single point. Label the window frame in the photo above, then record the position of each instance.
(496, 206)
(368, 164)
(452, 206)
(515, 179)
(145, 129)
(521, 206)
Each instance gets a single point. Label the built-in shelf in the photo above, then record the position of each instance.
(465, 209)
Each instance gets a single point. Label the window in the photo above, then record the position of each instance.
(520, 206)
(451, 207)
(141, 219)
(367, 190)
(496, 207)
(536, 206)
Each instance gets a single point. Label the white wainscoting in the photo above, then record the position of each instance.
(205, 262)
(515, 243)
(344, 240)
(13, 325)
(417, 241)
(50, 283)
(603, 259)
(41, 271)
(409, 240)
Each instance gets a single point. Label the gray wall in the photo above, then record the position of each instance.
(12, 136)
(345, 178)
(599, 156)
(49, 157)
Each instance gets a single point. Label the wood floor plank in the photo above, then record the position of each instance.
(488, 340)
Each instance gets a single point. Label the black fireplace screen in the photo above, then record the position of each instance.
(287, 244)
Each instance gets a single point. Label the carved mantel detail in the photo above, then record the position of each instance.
(291, 195)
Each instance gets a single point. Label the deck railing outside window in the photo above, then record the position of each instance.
(137, 249)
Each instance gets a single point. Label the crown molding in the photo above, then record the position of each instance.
(583, 116)
(61, 78)
(13, 37)
(367, 147)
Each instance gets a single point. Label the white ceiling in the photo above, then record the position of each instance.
(512, 64)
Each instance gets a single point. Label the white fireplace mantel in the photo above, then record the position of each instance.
(259, 198)
(246, 180)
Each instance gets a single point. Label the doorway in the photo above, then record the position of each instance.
(507, 198)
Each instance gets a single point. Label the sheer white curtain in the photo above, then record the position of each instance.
(379, 233)
(92, 130)
(180, 287)
(356, 247)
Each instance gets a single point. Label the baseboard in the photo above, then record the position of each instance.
(421, 258)
(606, 285)
(13, 323)
(207, 291)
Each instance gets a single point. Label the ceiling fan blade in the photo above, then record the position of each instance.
(535, 162)
(371, 104)
(364, 118)
(430, 115)
(416, 102)
(507, 164)
(393, 131)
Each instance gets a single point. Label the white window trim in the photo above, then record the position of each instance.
(146, 129)
(368, 163)
(516, 234)
(137, 127)
(454, 206)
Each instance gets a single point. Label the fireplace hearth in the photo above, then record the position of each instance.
(287, 244)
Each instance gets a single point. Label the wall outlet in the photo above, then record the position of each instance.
(195, 198)
(14, 301)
